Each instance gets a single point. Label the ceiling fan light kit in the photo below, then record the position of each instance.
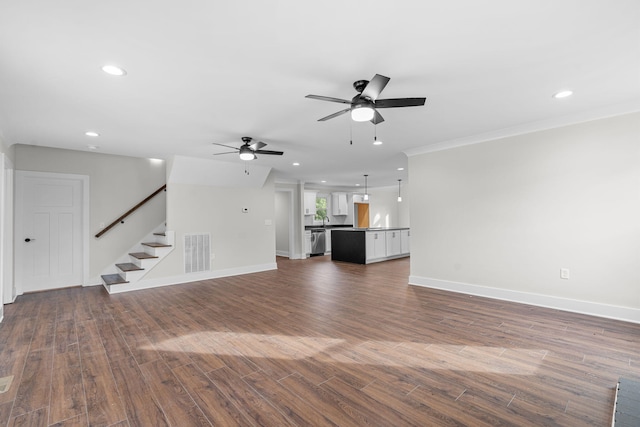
(362, 113)
(246, 153)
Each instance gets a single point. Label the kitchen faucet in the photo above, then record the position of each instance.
(323, 218)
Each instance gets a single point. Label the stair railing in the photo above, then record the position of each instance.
(130, 211)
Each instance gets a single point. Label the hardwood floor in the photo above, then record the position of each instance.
(313, 343)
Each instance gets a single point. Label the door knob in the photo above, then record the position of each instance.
(28, 240)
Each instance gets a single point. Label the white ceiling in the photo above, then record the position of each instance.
(211, 71)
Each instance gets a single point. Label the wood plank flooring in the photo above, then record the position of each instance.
(313, 343)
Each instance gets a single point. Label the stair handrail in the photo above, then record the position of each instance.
(130, 211)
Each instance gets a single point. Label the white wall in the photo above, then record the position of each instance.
(384, 208)
(117, 183)
(503, 217)
(241, 242)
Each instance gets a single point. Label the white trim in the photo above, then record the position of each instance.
(191, 277)
(585, 116)
(8, 221)
(86, 219)
(291, 253)
(626, 314)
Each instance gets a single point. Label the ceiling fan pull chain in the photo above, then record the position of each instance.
(350, 132)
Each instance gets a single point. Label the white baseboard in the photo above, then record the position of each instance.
(191, 277)
(626, 314)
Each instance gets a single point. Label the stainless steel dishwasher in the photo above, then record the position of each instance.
(317, 242)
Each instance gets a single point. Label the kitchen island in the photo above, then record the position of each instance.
(368, 245)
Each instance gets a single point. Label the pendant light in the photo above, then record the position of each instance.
(366, 195)
(399, 196)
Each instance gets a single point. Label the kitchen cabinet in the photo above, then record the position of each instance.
(327, 242)
(310, 202)
(339, 204)
(375, 245)
(392, 243)
(405, 241)
(307, 242)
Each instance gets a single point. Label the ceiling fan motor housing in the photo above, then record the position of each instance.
(359, 85)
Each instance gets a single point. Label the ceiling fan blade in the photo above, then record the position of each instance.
(400, 102)
(226, 152)
(223, 145)
(377, 118)
(277, 153)
(256, 145)
(331, 116)
(375, 86)
(328, 98)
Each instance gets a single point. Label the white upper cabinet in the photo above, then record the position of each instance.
(339, 204)
(310, 202)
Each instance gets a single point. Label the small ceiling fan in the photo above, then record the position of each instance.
(364, 105)
(249, 149)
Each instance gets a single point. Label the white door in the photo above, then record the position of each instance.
(49, 230)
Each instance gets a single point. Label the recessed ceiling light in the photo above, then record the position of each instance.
(92, 133)
(323, 181)
(357, 185)
(114, 70)
(563, 94)
(400, 169)
(92, 147)
(296, 164)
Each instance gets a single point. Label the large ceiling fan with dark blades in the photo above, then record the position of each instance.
(249, 149)
(364, 105)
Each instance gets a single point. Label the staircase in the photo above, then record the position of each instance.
(139, 262)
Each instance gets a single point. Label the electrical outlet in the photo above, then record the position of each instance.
(565, 273)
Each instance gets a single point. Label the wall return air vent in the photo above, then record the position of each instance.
(197, 252)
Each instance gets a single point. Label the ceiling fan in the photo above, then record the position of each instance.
(364, 105)
(249, 149)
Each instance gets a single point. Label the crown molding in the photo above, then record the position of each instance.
(556, 122)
